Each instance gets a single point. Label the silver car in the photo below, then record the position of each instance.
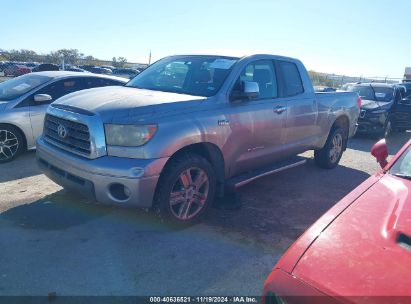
(24, 100)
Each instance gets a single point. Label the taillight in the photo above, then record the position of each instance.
(359, 102)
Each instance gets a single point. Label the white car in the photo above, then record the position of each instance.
(24, 100)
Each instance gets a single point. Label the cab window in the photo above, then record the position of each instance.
(263, 73)
(291, 77)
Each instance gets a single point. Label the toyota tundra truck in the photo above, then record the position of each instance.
(186, 129)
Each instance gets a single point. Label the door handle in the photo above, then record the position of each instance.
(280, 109)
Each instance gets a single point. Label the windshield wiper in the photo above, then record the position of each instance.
(402, 175)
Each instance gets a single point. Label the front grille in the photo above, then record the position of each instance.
(76, 137)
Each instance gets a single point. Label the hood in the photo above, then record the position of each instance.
(125, 103)
(374, 105)
(364, 251)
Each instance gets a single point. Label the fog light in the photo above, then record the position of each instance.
(119, 192)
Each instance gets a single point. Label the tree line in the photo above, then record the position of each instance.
(70, 56)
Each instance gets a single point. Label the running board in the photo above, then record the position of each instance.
(250, 176)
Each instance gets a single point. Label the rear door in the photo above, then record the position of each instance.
(301, 129)
(401, 114)
(56, 90)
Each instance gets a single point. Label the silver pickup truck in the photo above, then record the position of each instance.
(189, 127)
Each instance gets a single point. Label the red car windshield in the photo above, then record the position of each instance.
(402, 167)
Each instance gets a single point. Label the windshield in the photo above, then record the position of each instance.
(16, 87)
(402, 166)
(193, 75)
(368, 92)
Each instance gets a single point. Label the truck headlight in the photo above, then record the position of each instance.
(129, 135)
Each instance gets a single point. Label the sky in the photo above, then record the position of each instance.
(347, 37)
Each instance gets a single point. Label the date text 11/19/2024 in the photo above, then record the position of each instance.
(204, 299)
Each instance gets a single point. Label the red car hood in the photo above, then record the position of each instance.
(364, 252)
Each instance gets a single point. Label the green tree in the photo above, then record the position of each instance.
(70, 56)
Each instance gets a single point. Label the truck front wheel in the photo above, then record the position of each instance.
(186, 189)
(329, 156)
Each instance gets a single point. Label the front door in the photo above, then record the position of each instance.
(401, 112)
(256, 125)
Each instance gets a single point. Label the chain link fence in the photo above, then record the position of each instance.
(38, 63)
(337, 81)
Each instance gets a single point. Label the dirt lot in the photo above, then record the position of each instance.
(52, 241)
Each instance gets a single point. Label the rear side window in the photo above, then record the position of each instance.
(291, 78)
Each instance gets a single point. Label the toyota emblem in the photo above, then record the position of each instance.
(62, 131)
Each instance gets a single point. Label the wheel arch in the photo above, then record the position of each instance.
(211, 153)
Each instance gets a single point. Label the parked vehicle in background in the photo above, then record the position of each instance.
(188, 126)
(100, 70)
(324, 89)
(31, 65)
(357, 252)
(384, 108)
(23, 103)
(126, 73)
(46, 67)
(75, 69)
(15, 70)
(110, 67)
(347, 86)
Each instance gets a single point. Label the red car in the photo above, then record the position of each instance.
(360, 250)
(16, 70)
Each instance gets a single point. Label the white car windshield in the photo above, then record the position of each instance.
(14, 88)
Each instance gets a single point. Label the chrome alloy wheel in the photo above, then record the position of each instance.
(189, 194)
(9, 145)
(336, 148)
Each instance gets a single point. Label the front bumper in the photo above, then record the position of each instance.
(371, 123)
(101, 178)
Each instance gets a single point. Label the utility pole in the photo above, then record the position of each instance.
(149, 58)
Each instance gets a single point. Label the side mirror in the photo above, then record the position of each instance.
(42, 97)
(380, 152)
(249, 90)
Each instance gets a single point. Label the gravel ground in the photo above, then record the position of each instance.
(52, 241)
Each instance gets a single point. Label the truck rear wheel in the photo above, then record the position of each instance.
(329, 156)
(186, 189)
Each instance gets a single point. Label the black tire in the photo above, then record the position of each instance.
(324, 157)
(12, 143)
(171, 181)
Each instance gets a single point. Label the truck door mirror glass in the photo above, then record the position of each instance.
(249, 90)
(42, 98)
